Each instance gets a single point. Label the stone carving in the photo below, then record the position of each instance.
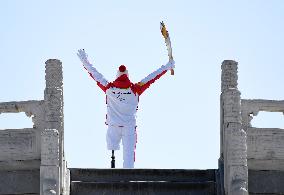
(233, 137)
(18, 145)
(40, 146)
(54, 110)
(229, 75)
(49, 169)
(265, 145)
(20, 148)
(54, 118)
(251, 108)
(49, 176)
(53, 74)
(50, 147)
(53, 94)
(34, 109)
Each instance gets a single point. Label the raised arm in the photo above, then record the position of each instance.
(98, 77)
(151, 78)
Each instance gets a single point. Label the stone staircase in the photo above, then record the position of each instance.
(142, 181)
(20, 182)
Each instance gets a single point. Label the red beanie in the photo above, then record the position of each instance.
(121, 70)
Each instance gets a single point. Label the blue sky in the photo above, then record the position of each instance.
(178, 120)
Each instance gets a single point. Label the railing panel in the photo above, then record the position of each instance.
(265, 148)
(265, 145)
(250, 108)
(33, 108)
(19, 144)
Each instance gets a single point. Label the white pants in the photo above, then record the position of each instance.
(128, 137)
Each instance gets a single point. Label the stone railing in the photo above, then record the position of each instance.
(265, 145)
(40, 148)
(33, 108)
(21, 148)
(244, 147)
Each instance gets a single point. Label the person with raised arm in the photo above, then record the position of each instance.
(122, 103)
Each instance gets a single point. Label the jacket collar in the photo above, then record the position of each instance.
(122, 82)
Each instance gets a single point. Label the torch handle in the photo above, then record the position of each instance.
(171, 58)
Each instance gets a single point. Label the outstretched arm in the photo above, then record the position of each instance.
(98, 77)
(151, 78)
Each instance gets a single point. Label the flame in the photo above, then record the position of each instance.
(164, 30)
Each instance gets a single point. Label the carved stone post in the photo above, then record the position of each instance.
(53, 98)
(233, 137)
(49, 168)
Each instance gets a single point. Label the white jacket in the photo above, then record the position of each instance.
(122, 94)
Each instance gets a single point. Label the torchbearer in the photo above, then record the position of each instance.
(122, 102)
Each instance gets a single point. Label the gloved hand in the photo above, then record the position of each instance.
(83, 57)
(170, 64)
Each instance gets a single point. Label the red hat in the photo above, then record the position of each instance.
(121, 70)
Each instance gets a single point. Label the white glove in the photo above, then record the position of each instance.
(83, 57)
(170, 65)
(92, 70)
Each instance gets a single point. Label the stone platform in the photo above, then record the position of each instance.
(143, 181)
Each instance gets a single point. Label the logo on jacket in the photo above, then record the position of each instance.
(121, 95)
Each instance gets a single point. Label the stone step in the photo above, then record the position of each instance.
(266, 182)
(118, 175)
(143, 188)
(20, 182)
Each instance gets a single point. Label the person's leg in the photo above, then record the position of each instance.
(128, 141)
(113, 137)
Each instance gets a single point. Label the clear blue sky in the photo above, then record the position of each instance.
(178, 120)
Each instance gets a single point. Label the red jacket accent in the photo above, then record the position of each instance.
(139, 89)
(124, 83)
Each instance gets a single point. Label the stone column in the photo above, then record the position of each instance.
(49, 168)
(233, 137)
(53, 98)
